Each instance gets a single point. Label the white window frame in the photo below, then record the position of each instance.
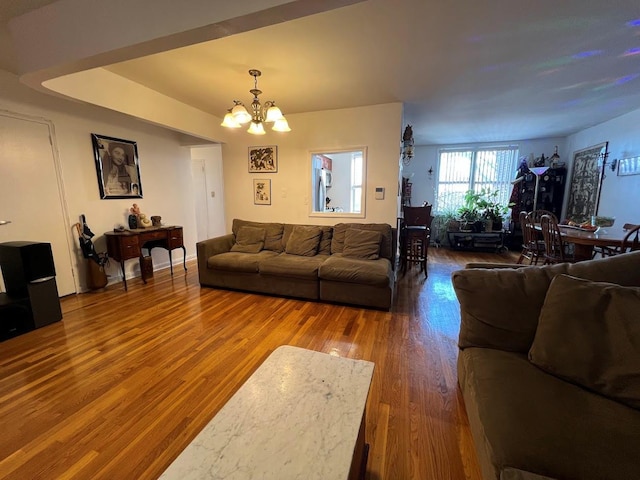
(502, 183)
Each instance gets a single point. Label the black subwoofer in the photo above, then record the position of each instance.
(31, 298)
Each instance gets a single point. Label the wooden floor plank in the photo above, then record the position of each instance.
(127, 379)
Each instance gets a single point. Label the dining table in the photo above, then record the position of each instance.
(585, 241)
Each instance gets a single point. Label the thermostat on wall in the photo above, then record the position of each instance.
(379, 193)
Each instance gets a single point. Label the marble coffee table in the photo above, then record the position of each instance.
(299, 416)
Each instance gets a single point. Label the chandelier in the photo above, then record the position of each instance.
(269, 113)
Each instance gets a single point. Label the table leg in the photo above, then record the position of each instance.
(184, 258)
(124, 277)
(144, 279)
(582, 252)
(170, 262)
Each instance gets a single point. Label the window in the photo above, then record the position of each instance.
(459, 170)
(356, 182)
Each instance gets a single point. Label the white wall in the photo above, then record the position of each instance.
(620, 196)
(164, 167)
(376, 127)
(426, 156)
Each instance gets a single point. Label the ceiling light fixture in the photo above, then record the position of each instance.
(269, 113)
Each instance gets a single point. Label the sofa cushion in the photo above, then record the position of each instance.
(295, 266)
(273, 233)
(303, 241)
(363, 244)
(324, 248)
(589, 334)
(339, 268)
(530, 420)
(249, 240)
(386, 244)
(238, 261)
(499, 308)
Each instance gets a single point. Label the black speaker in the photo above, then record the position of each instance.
(32, 299)
(25, 262)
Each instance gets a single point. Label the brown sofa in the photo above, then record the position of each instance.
(348, 263)
(549, 368)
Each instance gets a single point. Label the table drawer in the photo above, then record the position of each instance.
(175, 238)
(129, 248)
(149, 236)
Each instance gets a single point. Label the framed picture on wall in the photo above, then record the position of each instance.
(586, 182)
(117, 166)
(261, 191)
(263, 159)
(629, 166)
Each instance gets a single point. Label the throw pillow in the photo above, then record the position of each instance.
(363, 244)
(249, 240)
(303, 241)
(589, 334)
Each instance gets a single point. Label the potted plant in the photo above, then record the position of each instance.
(469, 213)
(492, 211)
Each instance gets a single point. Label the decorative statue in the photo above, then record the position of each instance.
(144, 221)
(134, 216)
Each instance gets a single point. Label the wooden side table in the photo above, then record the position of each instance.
(122, 246)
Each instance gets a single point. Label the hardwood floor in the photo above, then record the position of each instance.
(120, 386)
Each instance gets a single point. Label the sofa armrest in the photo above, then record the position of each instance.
(213, 246)
(494, 265)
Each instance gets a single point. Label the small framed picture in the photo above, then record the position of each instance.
(263, 159)
(117, 167)
(261, 191)
(629, 166)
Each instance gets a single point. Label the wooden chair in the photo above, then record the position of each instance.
(415, 236)
(532, 247)
(629, 242)
(536, 215)
(554, 247)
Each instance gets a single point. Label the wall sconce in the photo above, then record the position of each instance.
(430, 172)
(614, 164)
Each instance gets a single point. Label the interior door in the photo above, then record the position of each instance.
(200, 197)
(31, 193)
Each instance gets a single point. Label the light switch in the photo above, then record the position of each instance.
(213, 194)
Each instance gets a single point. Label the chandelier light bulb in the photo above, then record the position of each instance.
(256, 128)
(240, 114)
(273, 114)
(229, 121)
(281, 125)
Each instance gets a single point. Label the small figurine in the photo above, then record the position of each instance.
(144, 221)
(135, 209)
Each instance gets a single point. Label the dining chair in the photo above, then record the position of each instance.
(415, 236)
(536, 215)
(554, 247)
(630, 242)
(532, 246)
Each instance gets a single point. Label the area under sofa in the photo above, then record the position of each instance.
(351, 263)
(533, 418)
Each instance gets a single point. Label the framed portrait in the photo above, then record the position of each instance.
(629, 166)
(117, 166)
(263, 159)
(586, 182)
(261, 191)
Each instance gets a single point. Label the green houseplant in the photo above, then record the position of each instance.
(469, 213)
(492, 211)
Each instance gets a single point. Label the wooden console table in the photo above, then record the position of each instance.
(122, 246)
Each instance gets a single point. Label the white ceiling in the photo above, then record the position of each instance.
(467, 71)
